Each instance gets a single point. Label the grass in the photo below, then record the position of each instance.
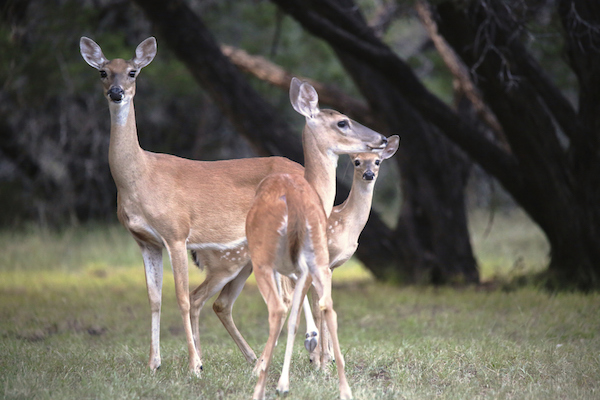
(74, 324)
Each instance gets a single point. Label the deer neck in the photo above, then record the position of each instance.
(358, 204)
(319, 169)
(125, 156)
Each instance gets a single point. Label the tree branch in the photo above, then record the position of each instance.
(272, 73)
(460, 73)
(361, 43)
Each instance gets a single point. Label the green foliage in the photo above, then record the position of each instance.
(74, 324)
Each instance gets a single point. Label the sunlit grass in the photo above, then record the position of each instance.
(69, 249)
(507, 244)
(74, 324)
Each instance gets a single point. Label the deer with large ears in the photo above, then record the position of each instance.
(175, 203)
(286, 227)
(344, 226)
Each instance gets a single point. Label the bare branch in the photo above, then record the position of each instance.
(460, 73)
(272, 73)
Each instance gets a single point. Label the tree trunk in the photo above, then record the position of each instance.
(560, 183)
(431, 236)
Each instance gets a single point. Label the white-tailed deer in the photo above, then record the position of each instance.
(175, 203)
(286, 227)
(344, 226)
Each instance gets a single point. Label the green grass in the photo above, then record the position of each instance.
(74, 324)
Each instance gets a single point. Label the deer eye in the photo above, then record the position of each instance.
(132, 73)
(357, 162)
(103, 74)
(377, 162)
(343, 123)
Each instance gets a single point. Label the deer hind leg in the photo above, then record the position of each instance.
(266, 282)
(322, 282)
(178, 256)
(223, 306)
(299, 293)
(311, 338)
(212, 284)
(322, 352)
(153, 268)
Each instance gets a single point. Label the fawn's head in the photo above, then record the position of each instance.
(118, 75)
(366, 165)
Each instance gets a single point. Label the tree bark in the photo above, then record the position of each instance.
(431, 241)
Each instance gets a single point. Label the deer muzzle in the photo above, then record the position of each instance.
(116, 94)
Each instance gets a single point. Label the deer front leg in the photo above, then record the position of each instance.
(178, 256)
(153, 268)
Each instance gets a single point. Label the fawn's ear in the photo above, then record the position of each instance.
(304, 98)
(145, 52)
(391, 147)
(92, 53)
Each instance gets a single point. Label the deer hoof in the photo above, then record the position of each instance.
(310, 343)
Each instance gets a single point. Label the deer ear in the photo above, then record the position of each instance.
(304, 98)
(145, 52)
(92, 53)
(391, 147)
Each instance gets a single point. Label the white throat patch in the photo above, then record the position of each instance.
(119, 112)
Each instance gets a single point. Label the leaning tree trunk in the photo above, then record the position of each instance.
(431, 236)
(557, 184)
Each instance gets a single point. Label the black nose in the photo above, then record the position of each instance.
(368, 175)
(116, 94)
